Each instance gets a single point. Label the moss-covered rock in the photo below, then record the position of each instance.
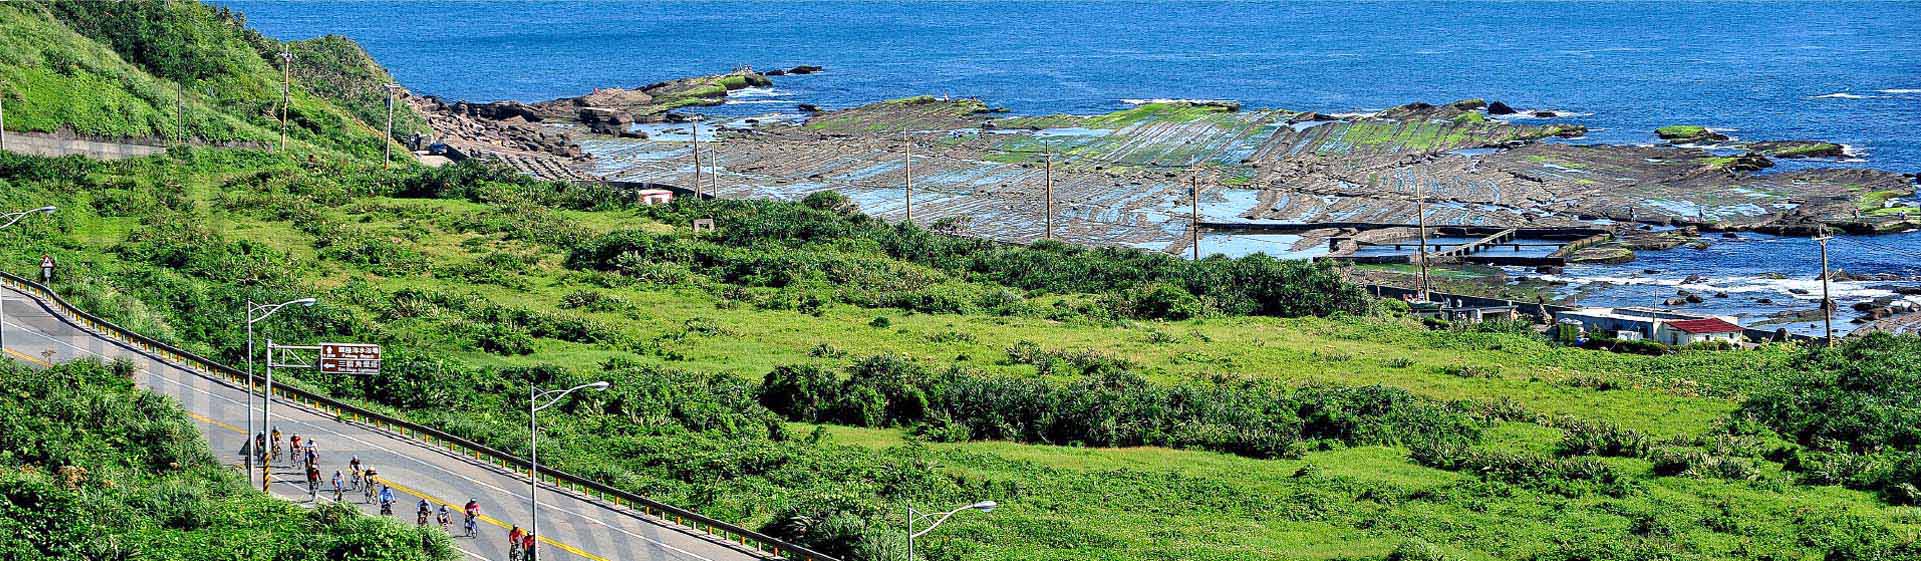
(1604, 254)
(1688, 134)
(1798, 149)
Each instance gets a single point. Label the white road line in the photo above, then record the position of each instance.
(589, 519)
(151, 373)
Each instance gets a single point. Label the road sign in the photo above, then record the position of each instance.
(349, 358)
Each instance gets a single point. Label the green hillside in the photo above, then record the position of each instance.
(136, 481)
(810, 371)
(155, 71)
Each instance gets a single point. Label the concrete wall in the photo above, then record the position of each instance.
(37, 144)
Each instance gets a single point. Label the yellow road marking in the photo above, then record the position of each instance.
(205, 419)
(29, 358)
(483, 518)
(396, 486)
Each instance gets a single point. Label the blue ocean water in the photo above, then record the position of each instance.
(1759, 68)
(1847, 72)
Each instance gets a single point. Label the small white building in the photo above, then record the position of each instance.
(651, 197)
(1667, 327)
(1689, 331)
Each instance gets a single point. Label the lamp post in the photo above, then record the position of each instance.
(388, 159)
(11, 218)
(255, 313)
(534, 405)
(939, 518)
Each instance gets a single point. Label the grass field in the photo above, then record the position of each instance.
(810, 372)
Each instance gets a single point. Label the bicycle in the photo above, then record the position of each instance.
(369, 488)
(470, 526)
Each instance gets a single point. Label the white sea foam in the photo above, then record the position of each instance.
(758, 92)
(1841, 95)
(1900, 91)
(1848, 290)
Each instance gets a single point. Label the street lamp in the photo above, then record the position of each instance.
(939, 518)
(255, 313)
(11, 218)
(534, 405)
(388, 158)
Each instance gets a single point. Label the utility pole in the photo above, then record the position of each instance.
(180, 114)
(1420, 210)
(266, 423)
(1827, 305)
(696, 156)
(286, 93)
(1049, 191)
(389, 144)
(1194, 213)
(907, 169)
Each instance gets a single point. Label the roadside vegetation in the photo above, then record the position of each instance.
(136, 481)
(810, 371)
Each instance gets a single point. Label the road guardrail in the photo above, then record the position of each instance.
(574, 484)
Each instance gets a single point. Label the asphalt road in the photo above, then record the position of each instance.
(572, 528)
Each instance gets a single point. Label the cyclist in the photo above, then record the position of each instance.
(386, 501)
(420, 517)
(339, 485)
(354, 466)
(513, 543)
(443, 518)
(369, 488)
(527, 547)
(275, 452)
(472, 512)
(295, 448)
(313, 483)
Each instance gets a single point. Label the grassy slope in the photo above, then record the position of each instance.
(112, 70)
(1072, 503)
(138, 482)
(55, 78)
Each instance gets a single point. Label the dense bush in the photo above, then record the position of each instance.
(776, 244)
(1110, 406)
(1857, 408)
(1572, 477)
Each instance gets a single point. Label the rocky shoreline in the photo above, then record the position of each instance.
(1472, 165)
(542, 138)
